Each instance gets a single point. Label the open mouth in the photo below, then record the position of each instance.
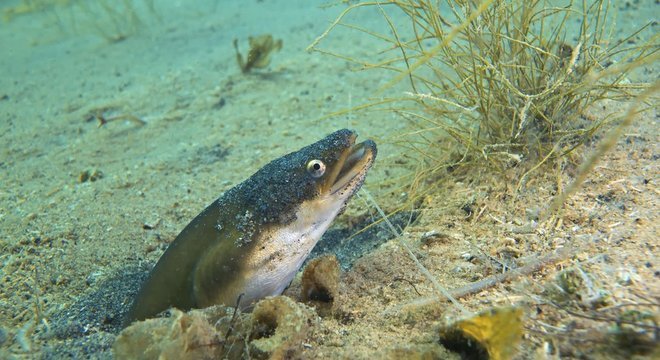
(354, 168)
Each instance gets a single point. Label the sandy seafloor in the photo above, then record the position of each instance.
(65, 242)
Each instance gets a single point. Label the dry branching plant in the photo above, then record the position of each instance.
(262, 47)
(504, 83)
(113, 20)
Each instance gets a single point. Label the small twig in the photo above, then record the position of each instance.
(231, 322)
(409, 282)
(223, 342)
(476, 287)
(399, 45)
(132, 118)
(316, 41)
(655, 328)
(534, 266)
(480, 213)
(618, 306)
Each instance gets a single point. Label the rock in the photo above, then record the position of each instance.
(198, 334)
(320, 284)
(279, 327)
(276, 329)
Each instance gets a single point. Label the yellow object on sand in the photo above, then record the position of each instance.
(493, 334)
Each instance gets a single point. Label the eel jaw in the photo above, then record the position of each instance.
(357, 161)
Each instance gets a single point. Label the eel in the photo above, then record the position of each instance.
(250, 242)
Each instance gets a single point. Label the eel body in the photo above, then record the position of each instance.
(252, 240)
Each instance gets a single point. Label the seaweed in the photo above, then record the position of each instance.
(114, 21)
(499, 83)
(25, 7)
(261, 49)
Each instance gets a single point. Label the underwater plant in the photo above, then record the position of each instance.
(261, 49)
(112, 20)
(506, 83)
(25, 7)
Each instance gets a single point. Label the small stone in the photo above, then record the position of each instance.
(93, 278)
(90, 175)
(624, 278)
(432, 236)
(220, 103)
(83, 176)
(95, 175)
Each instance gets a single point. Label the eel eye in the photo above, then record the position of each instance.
(316, 168)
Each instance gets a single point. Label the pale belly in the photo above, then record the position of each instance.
(274, 267)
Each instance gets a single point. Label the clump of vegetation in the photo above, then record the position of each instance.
(261, 49)
(25, 7)
(508, 81)
(574, 286)
(113, 20)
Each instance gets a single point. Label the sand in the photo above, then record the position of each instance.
(85, 210)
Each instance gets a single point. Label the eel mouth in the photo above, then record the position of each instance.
(357, 161)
